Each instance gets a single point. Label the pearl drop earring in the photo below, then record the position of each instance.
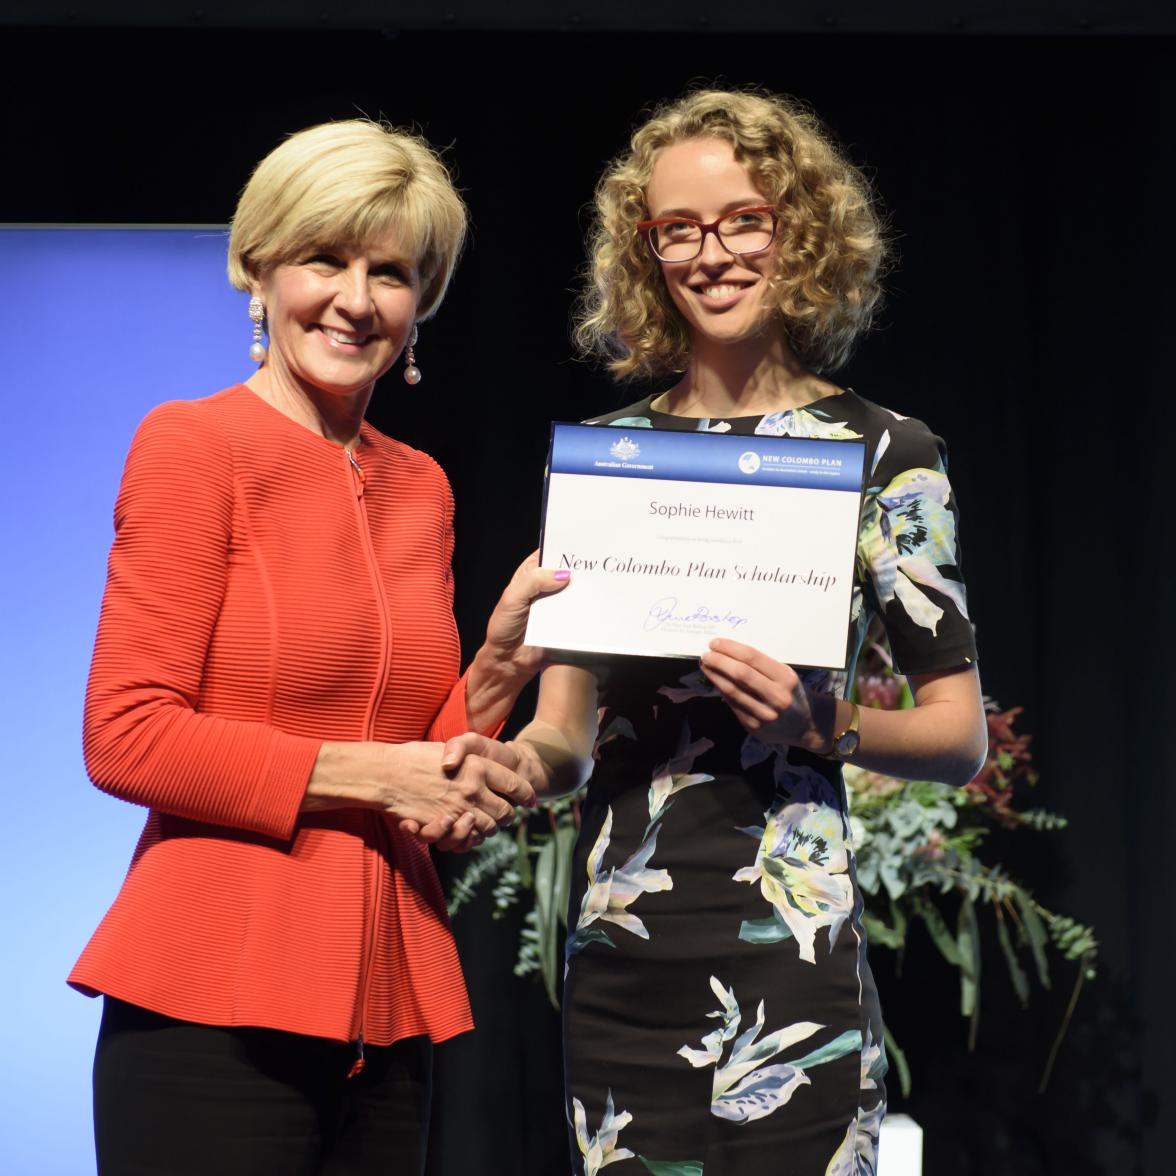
(412, 373)
(257, 314)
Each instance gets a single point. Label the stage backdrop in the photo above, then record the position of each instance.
(103, 324)
(1029, 323)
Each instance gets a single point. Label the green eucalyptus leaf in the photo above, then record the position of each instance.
(565, 845)
(1016, 972)
(1035, 932)
(523, 855)
(940, 935)
(877, 932)
(968, 942)
(899, 919)
(491, 859)
(900, 1061)
(892, 879)
(547, 922)
(1042, 820)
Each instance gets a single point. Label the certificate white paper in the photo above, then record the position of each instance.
(675, 538)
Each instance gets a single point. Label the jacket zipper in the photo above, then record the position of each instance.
(359, 480)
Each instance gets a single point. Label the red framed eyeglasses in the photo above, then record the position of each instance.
(680, 238)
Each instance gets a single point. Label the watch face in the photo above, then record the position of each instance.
(847, 744)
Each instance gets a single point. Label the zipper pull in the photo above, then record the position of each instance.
(358, 470)
(358, 1064)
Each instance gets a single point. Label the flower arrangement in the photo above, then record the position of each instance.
(918, 848)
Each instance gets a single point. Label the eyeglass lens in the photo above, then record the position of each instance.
(744, 231)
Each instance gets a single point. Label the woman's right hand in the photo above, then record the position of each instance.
(486, 788)
(458, 791)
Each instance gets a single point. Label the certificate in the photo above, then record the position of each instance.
(675, 538)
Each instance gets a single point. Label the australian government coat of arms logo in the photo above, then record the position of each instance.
(625, 449)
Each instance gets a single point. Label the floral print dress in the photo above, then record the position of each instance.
(720, 1017)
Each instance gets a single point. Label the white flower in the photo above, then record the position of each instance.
(610, 892)
(743, 1089)
(907, 534)
(802, 866)
(601, 1149)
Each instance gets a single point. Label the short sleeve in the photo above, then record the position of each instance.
(909, 551)
(144, 737)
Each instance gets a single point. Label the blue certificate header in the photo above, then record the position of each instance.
(707, 457)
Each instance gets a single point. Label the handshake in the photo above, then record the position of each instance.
(469, 788)
(452, 795)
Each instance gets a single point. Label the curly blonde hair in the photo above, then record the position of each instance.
(831, 244)
(349, 182)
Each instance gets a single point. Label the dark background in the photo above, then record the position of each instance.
(1028, 180)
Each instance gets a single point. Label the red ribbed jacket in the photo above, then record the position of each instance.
(263, 596)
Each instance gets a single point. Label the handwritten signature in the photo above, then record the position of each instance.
(665, 609)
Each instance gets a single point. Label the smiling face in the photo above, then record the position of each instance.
(722, 297)
(338, 318)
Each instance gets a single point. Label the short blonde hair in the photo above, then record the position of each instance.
(348, 183)
(830, 253)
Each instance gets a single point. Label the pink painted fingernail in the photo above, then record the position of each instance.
(562, 575)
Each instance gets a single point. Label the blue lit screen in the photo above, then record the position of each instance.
(100, 325)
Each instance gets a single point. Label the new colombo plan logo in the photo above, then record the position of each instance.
(624, 449)
(749, 462)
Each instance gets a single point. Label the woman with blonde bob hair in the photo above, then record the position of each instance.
(720, 1016)
(276, 679)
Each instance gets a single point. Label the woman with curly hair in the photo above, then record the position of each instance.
(720, 1015)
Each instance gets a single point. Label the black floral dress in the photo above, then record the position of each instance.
(719, 1013)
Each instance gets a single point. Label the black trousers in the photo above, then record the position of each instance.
(172, 1098)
